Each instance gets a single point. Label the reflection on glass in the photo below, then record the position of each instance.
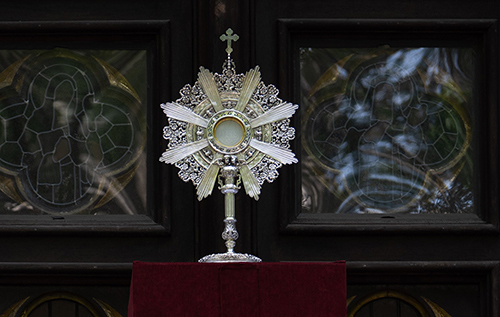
(72, 132)
(387, 130)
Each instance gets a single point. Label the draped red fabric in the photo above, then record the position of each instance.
(238, 289)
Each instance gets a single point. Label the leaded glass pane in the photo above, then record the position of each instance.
(387, 130)
(72, 131)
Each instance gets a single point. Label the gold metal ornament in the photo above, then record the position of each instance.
(230, 126)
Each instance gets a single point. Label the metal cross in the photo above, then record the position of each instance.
(229, 37)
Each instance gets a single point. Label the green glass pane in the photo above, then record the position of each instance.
(72, 131)
(387, 130)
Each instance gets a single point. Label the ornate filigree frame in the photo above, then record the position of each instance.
(263, 117)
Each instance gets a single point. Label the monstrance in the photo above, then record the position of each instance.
(231, 128)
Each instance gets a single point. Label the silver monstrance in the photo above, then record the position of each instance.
(231, 128)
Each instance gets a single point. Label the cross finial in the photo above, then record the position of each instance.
(229, 37)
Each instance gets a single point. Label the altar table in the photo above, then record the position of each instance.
(238, 289)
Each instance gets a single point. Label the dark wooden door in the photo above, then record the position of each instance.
(408, 251)
(109, 64)
(409, 204)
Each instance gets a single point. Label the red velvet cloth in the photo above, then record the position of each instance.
(238, 289)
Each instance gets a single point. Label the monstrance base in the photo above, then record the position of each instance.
(229, 257)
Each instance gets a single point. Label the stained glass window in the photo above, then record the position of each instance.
(387, 130)
(72, 131)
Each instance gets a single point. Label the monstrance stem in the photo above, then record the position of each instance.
(230, 234)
